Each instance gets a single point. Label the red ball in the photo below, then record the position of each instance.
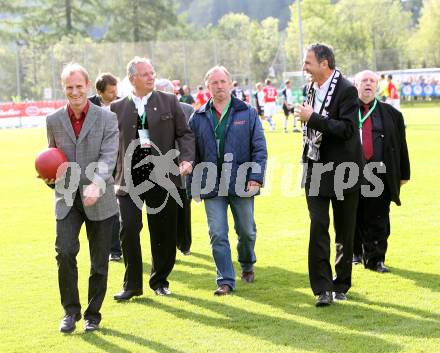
(48, 161)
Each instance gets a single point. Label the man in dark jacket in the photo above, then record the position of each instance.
(238, 92)
(331, 156)
(229, 170)
(150, 123)
(106, 86)
(383, 140)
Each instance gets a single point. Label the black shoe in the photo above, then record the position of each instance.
(186, 252)
(324, 299)
(162, 291)
(248, 276)
(68, 323)
(115, 257)
(380, 267)
(357, 259)
(91, 325)
(223, 289)
(340, 296)
(127, 294)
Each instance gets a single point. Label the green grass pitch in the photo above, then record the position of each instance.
(396, 312)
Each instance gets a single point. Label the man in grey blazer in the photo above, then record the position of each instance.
(150, 124)
(88, 135)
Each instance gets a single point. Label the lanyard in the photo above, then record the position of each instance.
(143, 118)
(225, 111)
(362, 119)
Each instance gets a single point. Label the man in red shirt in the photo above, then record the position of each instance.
(270, 98)
(393, 93)
(88, 136)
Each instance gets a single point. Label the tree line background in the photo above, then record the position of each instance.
(253, 38)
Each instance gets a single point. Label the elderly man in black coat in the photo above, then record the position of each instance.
(382, 131)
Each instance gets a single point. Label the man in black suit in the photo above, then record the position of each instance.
(150, 123)
(106, 86)
(331, 156)
(383, 140)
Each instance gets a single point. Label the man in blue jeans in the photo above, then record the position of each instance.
(228, 171)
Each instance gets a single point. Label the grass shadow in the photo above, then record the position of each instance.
(210, 268)
(352, 315)
(421, 279)
(277, 330)
(98, 339)
(202, 256)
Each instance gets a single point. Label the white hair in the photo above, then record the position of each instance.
(164, 85)
(131, 66)
(359, 75)
(215, 69)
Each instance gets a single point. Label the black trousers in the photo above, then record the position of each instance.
(116, 242)
(163, 233)
(344, 219)
(184, 238)
(67, 247)
(372, 228)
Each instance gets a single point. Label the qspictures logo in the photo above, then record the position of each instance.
(206, 178)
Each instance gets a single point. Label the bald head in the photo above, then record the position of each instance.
(366, 84)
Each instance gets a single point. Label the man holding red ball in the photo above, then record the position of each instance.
(88, 136)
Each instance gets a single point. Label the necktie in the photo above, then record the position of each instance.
(367, 135)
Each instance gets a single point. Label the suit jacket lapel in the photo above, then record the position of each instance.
(65, 120)
(152, 110)
(89, 121)
(128, 121)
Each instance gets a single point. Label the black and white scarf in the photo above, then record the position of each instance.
(311, 138)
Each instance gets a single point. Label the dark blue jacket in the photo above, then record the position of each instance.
(245, 147)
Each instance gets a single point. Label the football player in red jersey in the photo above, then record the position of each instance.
(270, 98)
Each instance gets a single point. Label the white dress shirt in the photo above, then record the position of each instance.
(320, 93)
(140, 103)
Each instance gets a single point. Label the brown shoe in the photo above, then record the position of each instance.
(223, 289)
(248, 277)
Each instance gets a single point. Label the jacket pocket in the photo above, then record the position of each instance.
(165, 116)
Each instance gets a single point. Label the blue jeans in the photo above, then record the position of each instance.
(243, 212)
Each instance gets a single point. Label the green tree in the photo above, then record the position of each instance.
(139, 20)
(318, 25)
(264, 39)
(424, 44)
(38, 25)
(232, 44)
(234, 26)
(9, 18)
(414, 7)
(246, 47)
(372, 34)
(46, 22)
(204, 12)
(368, 33)
(8, 74)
